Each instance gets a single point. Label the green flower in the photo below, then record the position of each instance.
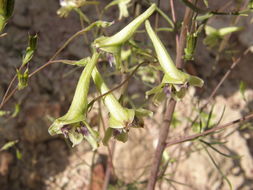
(76, 115)
(121, 118)
(113, 44)
(172, 75)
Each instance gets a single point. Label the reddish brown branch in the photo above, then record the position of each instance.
(171, 104)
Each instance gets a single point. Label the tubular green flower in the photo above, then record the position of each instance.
(172, 74)
(120, 117)
(78, 107)
(113, 43)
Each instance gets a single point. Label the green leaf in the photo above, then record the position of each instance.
(242, 89)
(22, 79)
(206, 3)
(8, 145)
(218, 168)
(3, 113)
(204, 17)
(228, 30)
(81, 63)
(16, 111)
(18, 154)
(215, 35)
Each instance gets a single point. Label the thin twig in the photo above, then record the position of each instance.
(234, 64)
(7, 96)
(91, 169)
(7, 91)
(212, 130)
(118, 86)
(225, 76)
(174, 19)
(109, 167)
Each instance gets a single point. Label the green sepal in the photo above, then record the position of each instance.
(67, 119)
(179, 93)
(92, 137)
(158, 93)
(155, 90)
(115, 49)
(141, 112)
(74, 136)
(167, 79)
(116, 122)
(122, 137)
(195, 81)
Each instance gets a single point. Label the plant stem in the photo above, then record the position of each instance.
(161, 143)
(212, 130)
(171, 104)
